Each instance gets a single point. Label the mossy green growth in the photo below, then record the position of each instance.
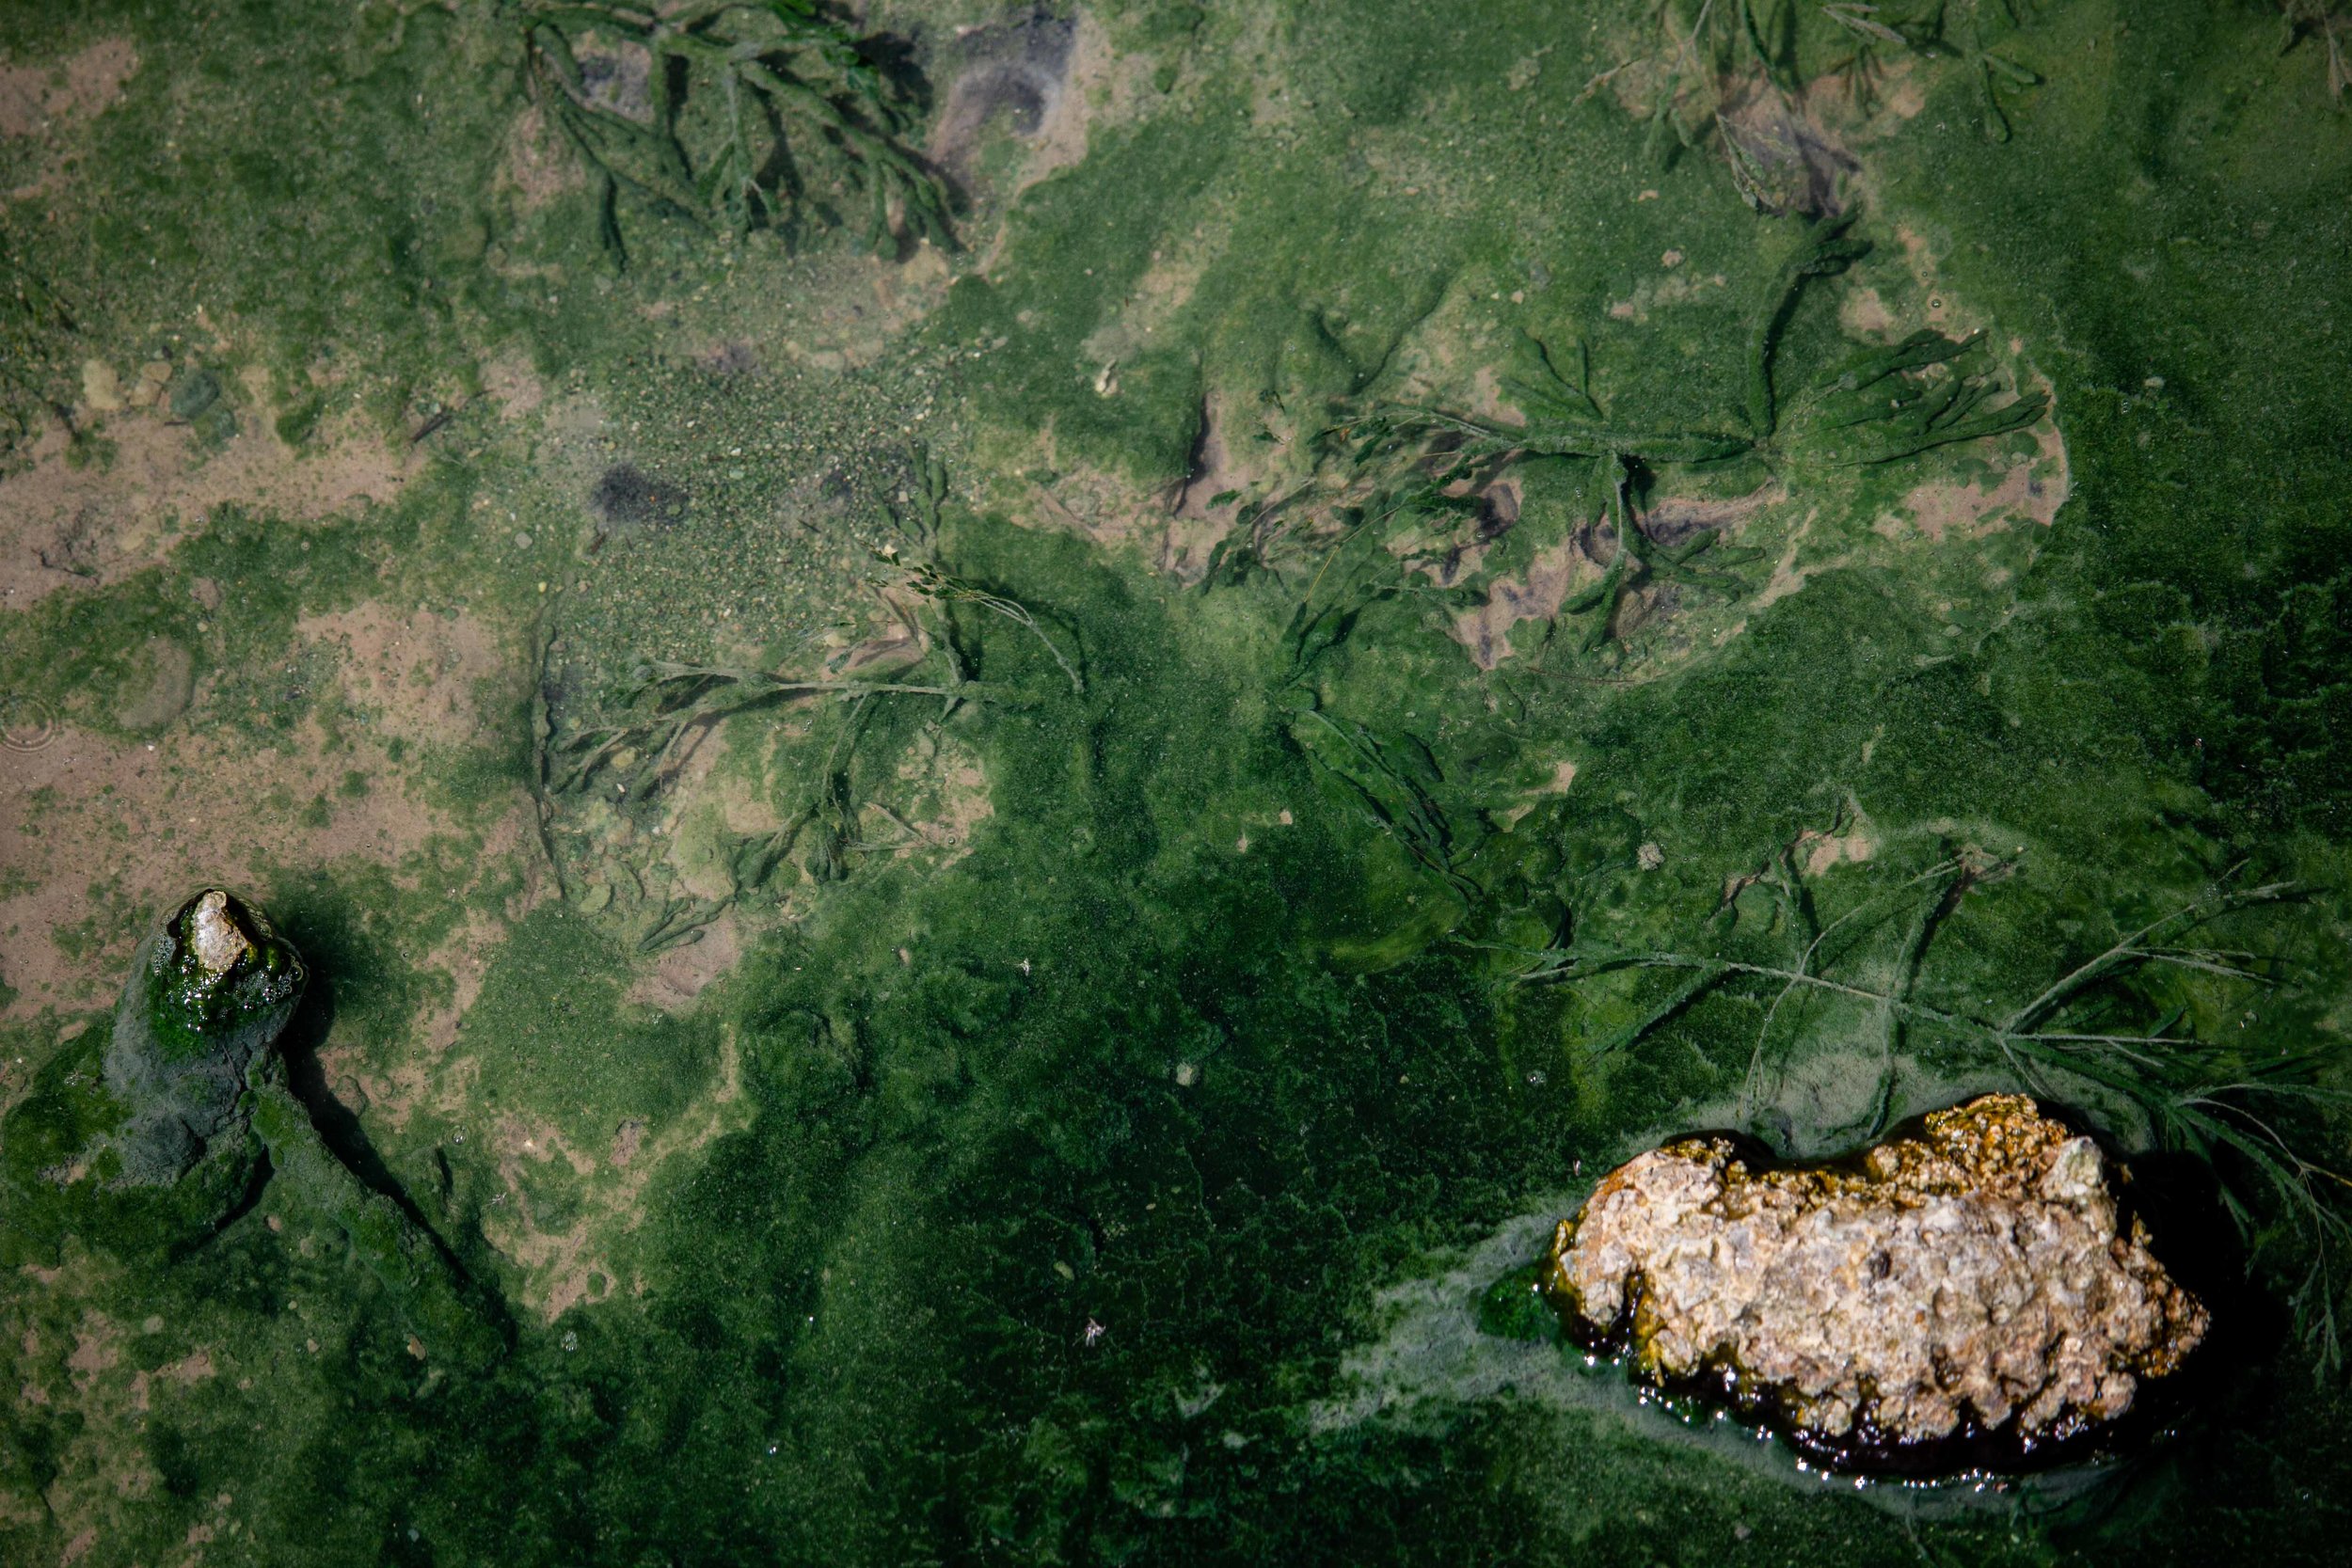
(433, 1298)
(1512, 1308)
(62, 1172)
(152, 1146)
(179, 1007)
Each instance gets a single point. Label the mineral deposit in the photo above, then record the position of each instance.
(1976, 1282)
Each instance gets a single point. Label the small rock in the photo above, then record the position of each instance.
(217, 943)
(210, 992)
(193, 394)
(102, 389)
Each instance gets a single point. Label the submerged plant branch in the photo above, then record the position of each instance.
(1397, 464)
(2195, 1095)
(932, 583)
(686, 695)
(744, 103)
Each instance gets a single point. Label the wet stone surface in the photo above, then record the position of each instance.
(1969, 1294)
(212, 988)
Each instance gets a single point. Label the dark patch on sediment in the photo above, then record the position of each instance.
(1497, 512)
(1015, 69)
(627, 498)
(1785, 162)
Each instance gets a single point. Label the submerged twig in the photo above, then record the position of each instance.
(2194, 1094)
(926, 579)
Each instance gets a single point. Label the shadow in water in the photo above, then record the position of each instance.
(338, 1126)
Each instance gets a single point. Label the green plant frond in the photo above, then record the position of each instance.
(791, 82)
(1863, 19)
(1396, 461)
(1389, 779)
(2257, 1122)
(1824, 251)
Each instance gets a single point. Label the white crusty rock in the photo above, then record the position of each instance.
(214, 935)
(1968, 1281)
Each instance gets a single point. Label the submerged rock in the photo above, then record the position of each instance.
(211, 989)
(143, 1137)
(1971, 1294)
(154, 1145)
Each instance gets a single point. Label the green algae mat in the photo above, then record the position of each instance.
(967, 756)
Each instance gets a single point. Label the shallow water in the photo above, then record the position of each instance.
(967, 936)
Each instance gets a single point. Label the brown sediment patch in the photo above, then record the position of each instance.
(1111, 510)
(1786, 579)
(519, 1137)
(1556, 572)
(1674, 288)
(834, 330)
(627, 1139)
(1563, 776)
(100, 1396)
(1134, 323)
(1676, 520)
(419, 677)
(1583, 557)
(186, 1373)
(45, 100)
(536, 167)
(93, 525)
(1940, 307)
(899, 642)
(1207, 501)
(390, 1091)
(1819, 851)
(950, 799)
(1789, 161)
(102, 830)
(94, 1350)
(2030, 489)
(513, 384)
(1896, 95)
(1864, 314)
(1166, 287)
(684, 970)
(32, 97)
(562, 1268)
